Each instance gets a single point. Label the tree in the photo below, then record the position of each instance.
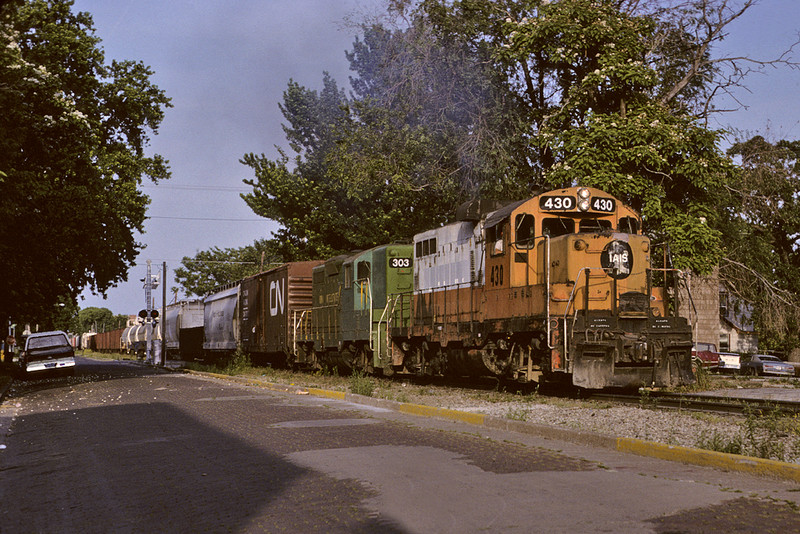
(436, 104)
(429, 126)
(315, 213)
(73, 134)
(96, 320)
(607, 85)
(216, 267)
(761, 215)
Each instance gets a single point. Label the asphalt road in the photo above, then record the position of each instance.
(125, 448)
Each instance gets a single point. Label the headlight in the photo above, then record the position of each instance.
(583, 204)
(584, 193)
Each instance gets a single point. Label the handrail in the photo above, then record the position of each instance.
(547, 289)
(388, 315)
(295, 326)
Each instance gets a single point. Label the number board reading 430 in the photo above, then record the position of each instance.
(567, 203)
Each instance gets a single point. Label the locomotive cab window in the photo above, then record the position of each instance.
(629, 225)
(364, 270)
(525, 228)
(594, 225)
(495, 239)
(555, 227)
(348, 275)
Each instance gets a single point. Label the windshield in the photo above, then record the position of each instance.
(769, 359)
(54, 340)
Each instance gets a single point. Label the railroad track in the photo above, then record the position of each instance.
(702, 403)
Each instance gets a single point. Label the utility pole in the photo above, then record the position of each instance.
(164, 314)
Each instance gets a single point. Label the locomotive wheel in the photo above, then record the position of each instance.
(363, 360)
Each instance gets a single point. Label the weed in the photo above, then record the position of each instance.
(361, 384)
(239, 363)
(702, 379)
(645, 400)
(719, 443)
(760, 435)
(517, 414)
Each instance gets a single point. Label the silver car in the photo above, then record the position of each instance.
(765, 364)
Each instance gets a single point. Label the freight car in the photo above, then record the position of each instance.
(183, 329)
(110, 342)
(271, 306)
(134, 338)
(221, 332)
(558, 286)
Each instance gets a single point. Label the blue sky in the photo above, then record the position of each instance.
(225, 64)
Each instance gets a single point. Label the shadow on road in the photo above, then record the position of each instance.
(153, 468)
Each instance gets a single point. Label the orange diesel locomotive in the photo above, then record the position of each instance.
(556, 287)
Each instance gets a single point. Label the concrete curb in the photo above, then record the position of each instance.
(687, 455)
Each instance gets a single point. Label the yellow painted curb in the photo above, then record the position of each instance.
(731, 462)
(454, 415)
(338, 395)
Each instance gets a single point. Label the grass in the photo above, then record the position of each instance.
(760, 435)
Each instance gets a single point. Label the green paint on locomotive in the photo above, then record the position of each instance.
(351, 295)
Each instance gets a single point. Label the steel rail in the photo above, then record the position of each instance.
(702, 403)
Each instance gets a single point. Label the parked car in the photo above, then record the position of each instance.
(705, 355)
(729, 362)
(765, 364)
(47, 351)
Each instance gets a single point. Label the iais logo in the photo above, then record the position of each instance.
(617, 260)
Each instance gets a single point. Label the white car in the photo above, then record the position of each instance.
(47, 351)
(729, 362)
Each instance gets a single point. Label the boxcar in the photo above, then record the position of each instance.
(110, 341)
(272, 304)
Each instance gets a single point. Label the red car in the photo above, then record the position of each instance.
(705, 355)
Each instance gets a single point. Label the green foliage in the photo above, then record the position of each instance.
(215, 267)
(96, 320)
(434, 102)
(429, 126)
(238, 363)
(759, 436)
(316, 214)
(73, 132)
(608, 107)
(760, 222)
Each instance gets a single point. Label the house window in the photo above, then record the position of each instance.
(724, 342)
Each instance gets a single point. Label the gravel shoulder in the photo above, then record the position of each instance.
(776, 437)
